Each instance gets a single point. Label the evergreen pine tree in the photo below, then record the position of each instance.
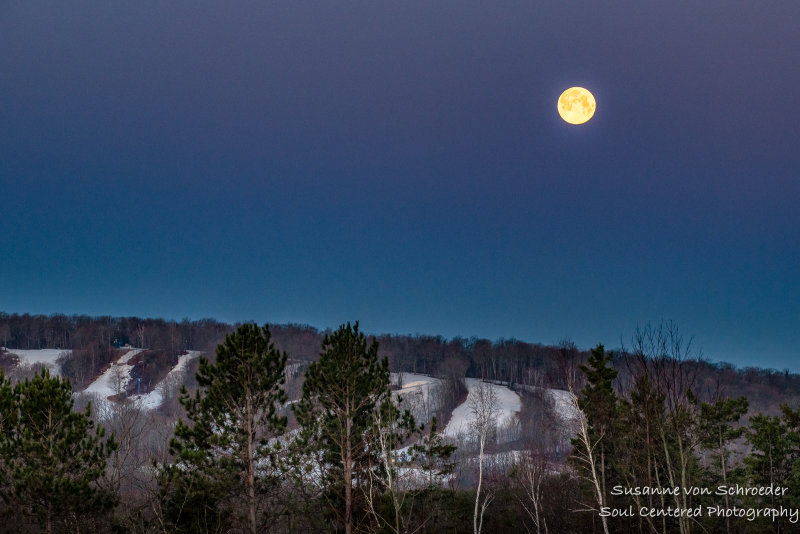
(598, 400)
(640, 458)
(52, 457)
(791, 419)
(433, 455)
(600, 403)
(773, 452)
(600, 406)
(716, 432)
(337, 410)
(223, 458)
(8, 417)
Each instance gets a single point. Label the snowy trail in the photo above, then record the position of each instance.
(116, 377)
(508, 401)
(417, 395)
(415, 385)
(45, 357)
(155, 398)
(563, 404)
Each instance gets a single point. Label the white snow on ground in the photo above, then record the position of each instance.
(45, 357)
(415, 385)
(509, 404)
(416, 395)
(155, 398)
(563, 404)
(116, 377)
(412, 379)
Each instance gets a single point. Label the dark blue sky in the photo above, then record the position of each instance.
(403, 164)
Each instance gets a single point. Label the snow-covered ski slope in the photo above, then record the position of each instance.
(155, 398)
(563, 404)
(115, 378)
(415, 385)
(508, 404)
(560, 400)
(417, 394)
(46, 357)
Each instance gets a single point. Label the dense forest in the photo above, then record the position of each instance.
(284, 428)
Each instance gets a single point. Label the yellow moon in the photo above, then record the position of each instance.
(576, 105)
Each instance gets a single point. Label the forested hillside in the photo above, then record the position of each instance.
(91, 340)
(200, 426)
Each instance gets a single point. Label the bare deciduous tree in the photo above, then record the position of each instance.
(585, 454)
(669, 363)
(531, 471)
(119, 378)
(484, 407)
(388, 430)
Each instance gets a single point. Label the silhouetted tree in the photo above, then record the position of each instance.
(341, 392)
(51, 456)
(224, 457)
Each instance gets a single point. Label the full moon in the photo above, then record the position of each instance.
(576, 105)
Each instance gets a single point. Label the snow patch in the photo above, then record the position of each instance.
(562, 402)
(416, 395)
(415, 385)
(155, 398)
(46, 357)
(115, 378)
(509, 406)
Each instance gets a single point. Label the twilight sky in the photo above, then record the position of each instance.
(403, 164)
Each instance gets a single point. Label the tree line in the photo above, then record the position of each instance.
(346, 454)
(92, 340)
(656, 456)
(231, 465)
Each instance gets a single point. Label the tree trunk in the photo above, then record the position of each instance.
(475, 528)
(348, 477)
(588, 452)
(724, 476)
(251, 475)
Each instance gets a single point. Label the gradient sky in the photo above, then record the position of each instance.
(403, 164)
